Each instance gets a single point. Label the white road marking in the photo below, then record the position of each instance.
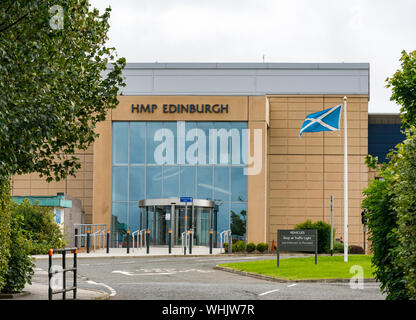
(267, 292)
(126, 273)
(146, 272)
(112, 291)
(236, 258)
(292, 285)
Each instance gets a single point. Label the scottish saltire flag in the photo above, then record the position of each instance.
(326, 120)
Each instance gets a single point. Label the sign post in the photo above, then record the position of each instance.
(186, 200)
(297, 240)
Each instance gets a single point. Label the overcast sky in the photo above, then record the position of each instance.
(374, 31)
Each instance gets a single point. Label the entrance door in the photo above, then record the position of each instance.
(161, 215)
(161, 229)
(181, 222)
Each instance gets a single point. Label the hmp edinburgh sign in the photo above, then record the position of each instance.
(181, 108)
(297, 240)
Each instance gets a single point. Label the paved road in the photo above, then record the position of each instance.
(193, 278)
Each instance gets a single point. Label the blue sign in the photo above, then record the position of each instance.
(58, 216)
(187, 199)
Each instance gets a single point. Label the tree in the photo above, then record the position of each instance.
(403, 85)
(382, 223)
(405, 206)
(54, 88)
(238, 224)
(54, 84)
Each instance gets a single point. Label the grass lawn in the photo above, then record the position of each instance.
(304, 268)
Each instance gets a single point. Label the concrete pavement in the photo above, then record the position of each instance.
(38, 291)
(139, 252)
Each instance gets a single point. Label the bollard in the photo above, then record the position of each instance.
(170, 240)
(190, 241)
(128, 241)
(108, 241)
(147, 241)
(63, 275)
(75, 273)
(88, 241)
(76, 238)
(50, 274)
(210, 241)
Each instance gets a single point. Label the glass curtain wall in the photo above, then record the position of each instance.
(173, 159)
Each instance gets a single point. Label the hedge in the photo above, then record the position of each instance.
(324, 233)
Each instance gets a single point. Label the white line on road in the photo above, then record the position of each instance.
(267, 292)
(126, 273)
(112, 291)
(292, 285)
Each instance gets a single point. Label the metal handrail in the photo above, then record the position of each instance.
(98, 234)
(141, 241)
(186, 236)
(225, 235)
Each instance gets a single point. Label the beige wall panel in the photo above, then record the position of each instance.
(101, 192)
(318, 158)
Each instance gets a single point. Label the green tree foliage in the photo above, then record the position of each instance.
(404, 170)
(382, 223)
(39, 226)
(403, 84)
(238, 223)
(324, 233)
(5, 214)
(391, 200)
(20, 266)
(54, 84)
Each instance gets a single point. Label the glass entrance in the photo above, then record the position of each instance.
(161, 215)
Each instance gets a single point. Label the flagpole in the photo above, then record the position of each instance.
(345, 183)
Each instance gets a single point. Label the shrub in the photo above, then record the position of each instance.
(239, 246)
(338, 247)
(5, 204)
(261, 247)
(324, 233)
(225, 246)
(20, 265)
(251, 247)
(355, 249)
(39, 226)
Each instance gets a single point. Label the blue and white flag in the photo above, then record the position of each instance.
(326, 120)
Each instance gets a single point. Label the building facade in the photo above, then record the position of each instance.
(226, 135)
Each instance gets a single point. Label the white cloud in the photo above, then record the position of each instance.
(285, 31)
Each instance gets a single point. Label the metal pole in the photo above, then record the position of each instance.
(63, 275)
(230, 243)
(316, 247)
(88, 241)
(108, 241)
(190, 241)
(210, 241)
(186, 227)
(75, 273)
(332, 225)
(147, 241)
(170, 240)
(128, 241)
(364, 231)
(345, 183)
(50, 274)
(76, 237)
